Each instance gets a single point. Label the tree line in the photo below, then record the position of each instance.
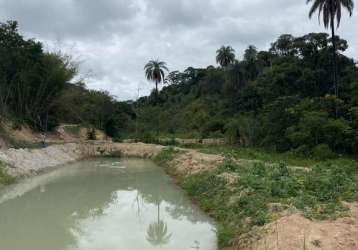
(39, 89)
(300, 95)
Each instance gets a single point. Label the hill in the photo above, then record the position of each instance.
(283, 99)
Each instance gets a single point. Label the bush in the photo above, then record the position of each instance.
(229, 165)
(5, 179)
(166, 155)
(322, 152)
(147, 137)
(116, 154)
(302, 150)
(232, 133)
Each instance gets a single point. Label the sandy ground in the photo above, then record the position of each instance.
(192, 162)
(294, 232)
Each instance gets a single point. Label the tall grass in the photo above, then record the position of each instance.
(270, 156)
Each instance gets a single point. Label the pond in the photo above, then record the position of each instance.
(102, 204)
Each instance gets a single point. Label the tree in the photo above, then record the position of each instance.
(30, 79)
(250, 59)
(250, 54)
(331, 11)
(155, 71)
(225, 56)
(284, 46)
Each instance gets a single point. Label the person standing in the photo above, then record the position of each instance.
(43, 139)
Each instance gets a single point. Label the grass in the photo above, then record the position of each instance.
(268, 156)
(166, 155)
(246, 200)
(72, 129)
(5, 179)
(245, 203)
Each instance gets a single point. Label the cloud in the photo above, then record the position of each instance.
(113, 39)
(71, 18)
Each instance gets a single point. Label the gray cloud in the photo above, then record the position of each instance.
(114, 38)
(71, 18)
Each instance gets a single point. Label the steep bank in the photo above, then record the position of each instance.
(26, 162)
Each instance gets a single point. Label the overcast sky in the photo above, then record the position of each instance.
(113, 39)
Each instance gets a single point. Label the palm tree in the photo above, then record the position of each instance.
(331, 10)
(157, 232)
(225, 56)
(155, 71)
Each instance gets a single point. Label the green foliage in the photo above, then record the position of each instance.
(316, 243)
(73, 130)
(228, 165)
(322, 152)
(5, 179)
(281, 99)
(155, 71)
(37, 88)
(225, 56)
(30, 79)
(166, 155)
(116, 154)
(244, 203)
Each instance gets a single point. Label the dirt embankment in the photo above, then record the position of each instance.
(193, 162)
(295, 232)
(24, 136)
(26, 162)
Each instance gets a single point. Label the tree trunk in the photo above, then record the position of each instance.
(335, 74)
(156, 88)
(334, 63)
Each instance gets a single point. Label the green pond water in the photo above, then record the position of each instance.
(102, 204)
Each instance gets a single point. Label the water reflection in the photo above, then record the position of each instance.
(157, 232)
(102, 205)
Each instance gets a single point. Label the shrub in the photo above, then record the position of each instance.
(322, 152)
(166, 155)
(229, 165)
(147, 137)
(116, 154)
(302, 150)
(5, 179)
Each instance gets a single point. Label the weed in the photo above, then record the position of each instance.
(228, 165)
(72, 129)
(116, 154)
(316, 243)
(241, 205)
(5, 179)
(166, 155)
